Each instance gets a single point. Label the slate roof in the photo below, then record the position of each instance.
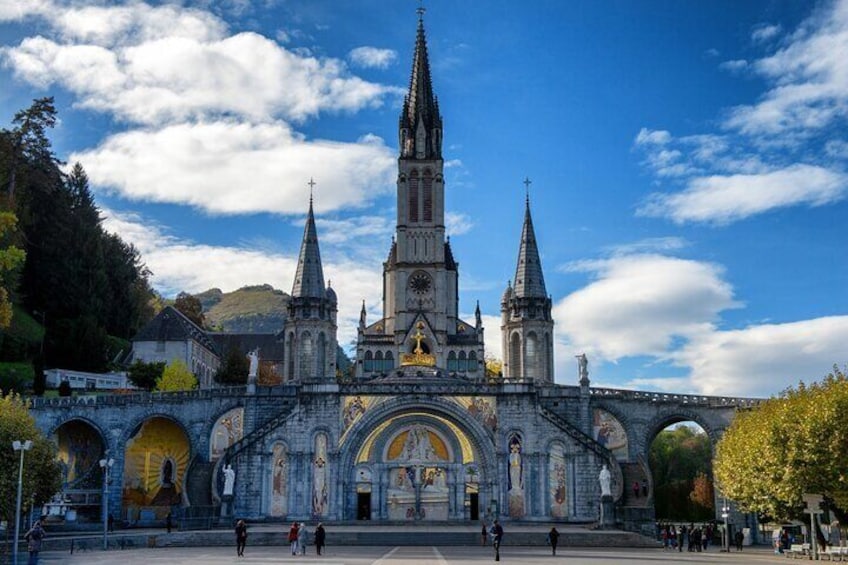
(309, 279)
(529, 281)
(172, 325)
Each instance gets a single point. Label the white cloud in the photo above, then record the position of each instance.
(765, 32)
(376, 230)
(230, 167)
(372, 57)
(721, 199)
(809, 76)
(764, 358)
(458, 223)
(652, 137)
(179, 264)
(734, 66)
(640, 304)
(650, 245)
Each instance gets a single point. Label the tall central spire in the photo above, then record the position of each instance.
(420, 127)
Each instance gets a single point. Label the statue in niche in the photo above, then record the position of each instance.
(229, 480)
(605, 478)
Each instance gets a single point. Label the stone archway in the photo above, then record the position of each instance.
(417, 460)
(80, 446)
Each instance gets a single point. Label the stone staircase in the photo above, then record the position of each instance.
(287, 406)
(573, 431)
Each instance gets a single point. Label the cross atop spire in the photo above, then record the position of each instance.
(527, 183)
(421, 9)
(311, 184)
(420, 124)
(309, 278)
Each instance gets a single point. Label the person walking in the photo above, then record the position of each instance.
(302, 538)
(320, 535)
(484, 534)
(169, 522)
(293, 538)
(553, 539)
(497, 535)
(739, 537)
(241, 537)
(34, 537)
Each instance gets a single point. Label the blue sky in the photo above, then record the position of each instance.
(688, 160)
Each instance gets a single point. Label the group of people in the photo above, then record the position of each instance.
(298, 538)
(693, 538)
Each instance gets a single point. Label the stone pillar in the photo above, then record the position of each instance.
(607, 512)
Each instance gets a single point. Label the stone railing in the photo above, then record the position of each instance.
(137, 398)
(668, 397)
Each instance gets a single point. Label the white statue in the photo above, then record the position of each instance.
(605, 478)
(254, 362)
(229, 480)
(582, 366)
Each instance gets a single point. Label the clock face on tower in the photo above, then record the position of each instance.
(420, 284)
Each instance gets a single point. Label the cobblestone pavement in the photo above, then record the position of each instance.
(422, 555)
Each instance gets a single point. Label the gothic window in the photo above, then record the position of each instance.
(452, 361)
(369, 361)
(463, 363)
(515, 357)
(472, 361)
(390, 361)
(307, 356)
(378, 361)
(549, 354)
(428, 196)
(321, 355)
(531, 355)
(290, 356)
(412, 189)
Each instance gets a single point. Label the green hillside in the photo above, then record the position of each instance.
(251, 309)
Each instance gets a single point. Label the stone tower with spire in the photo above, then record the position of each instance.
(310, 330)
(526, 324)
(420, 326)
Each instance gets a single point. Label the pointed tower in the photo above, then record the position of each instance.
(420, 326)
(526, 323)
(310, 330)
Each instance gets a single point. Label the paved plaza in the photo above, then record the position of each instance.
(421, 555)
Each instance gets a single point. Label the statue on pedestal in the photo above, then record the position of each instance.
(605, 479)
(229, 480)
(254, 363)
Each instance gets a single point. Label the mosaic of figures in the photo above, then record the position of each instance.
(515, 486)
(353, 407)
(557, 481)
(155, 463)
(227, 430)
(417, 443)
(320, 489)
(609, 432)
(279, 481)
(481, 408)
(79, 451)
(417, 492)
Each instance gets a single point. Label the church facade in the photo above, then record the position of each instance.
(418, 433)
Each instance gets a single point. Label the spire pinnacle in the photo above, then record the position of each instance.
(309, 278)
(529, 280)
(420, 125)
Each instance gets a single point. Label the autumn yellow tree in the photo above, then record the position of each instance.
(494, 367)
(10, 258)
(788, 446)
(176, 377)
(702, 491)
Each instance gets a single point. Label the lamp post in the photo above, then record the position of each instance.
(106, 465)
(725, 513)
(18, 446)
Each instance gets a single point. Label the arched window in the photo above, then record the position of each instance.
(515, 357)
(290, 356)
(472, 361)
(463, 363)
(452, 361)
(307, 355)
(390, 361)
(428, 196)
(369, 361)
(413, 188)
(531, 356)
(378, 361)
(321, 355)
(549, 354)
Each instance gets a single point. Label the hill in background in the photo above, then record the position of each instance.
(250, 309)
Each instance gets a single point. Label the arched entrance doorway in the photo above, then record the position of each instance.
(80, 447)
(418, 464)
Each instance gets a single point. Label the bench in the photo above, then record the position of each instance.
(797, 550)
(833, 552)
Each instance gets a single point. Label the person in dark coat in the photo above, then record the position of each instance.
(497, 535)
(169, 522)
(739, 537)
(241, 537)
(320, 536)
(484, 534)
(34, 537)
(553, 539)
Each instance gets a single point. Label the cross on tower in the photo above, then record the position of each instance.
(527, 183)
(421, 10)
(311, 184)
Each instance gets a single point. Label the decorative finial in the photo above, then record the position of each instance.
(311, 184)
(527, 183)
(421, 11)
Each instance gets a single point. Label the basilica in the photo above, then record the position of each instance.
(416, 433)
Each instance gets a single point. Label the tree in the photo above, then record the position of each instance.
(494, 367)
(42, 476)
(234, 369)
(10, 259)
(176, 377)
(702, 492)
(65, 388)
(145, 375)
(787, 446)
(29, 139)
(677, 457)
(191, 308)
